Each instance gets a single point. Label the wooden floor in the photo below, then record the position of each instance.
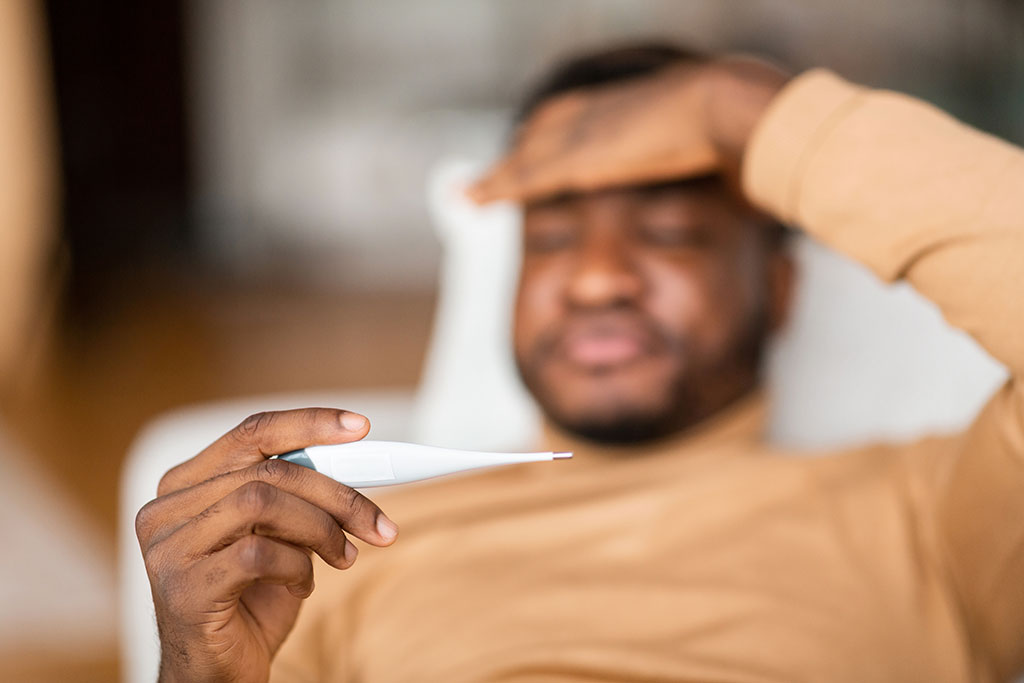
(159, 348)
(55, 667)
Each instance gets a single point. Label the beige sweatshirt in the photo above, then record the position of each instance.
(715, 557)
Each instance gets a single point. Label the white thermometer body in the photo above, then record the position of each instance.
(362, 464)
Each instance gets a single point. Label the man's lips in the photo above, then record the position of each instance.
(604, 348)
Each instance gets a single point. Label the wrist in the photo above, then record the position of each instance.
(167, 677)
(740, 92)
(170, 673)
(774, 162)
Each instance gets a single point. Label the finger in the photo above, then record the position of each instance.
(595, 161)
(644, 130)
(353, 511)
(257, 508)
(548, 159)
(557, 112)
(542, 138)
(262, 435)
(694, 162)
(253, 559)
(495, 185)
(525, 175)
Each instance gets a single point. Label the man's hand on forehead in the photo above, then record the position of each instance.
(687, 120)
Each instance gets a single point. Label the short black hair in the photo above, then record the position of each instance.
(615, 65)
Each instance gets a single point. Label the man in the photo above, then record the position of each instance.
(676, 545)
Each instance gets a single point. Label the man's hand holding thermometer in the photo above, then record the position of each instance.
(227, 542)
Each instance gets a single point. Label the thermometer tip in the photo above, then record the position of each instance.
(561, 456)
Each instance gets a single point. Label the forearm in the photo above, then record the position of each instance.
(915, 195)
(905, 189)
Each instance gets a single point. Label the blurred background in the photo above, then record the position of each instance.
(232, 202)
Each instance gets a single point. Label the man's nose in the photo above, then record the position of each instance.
(605, 275)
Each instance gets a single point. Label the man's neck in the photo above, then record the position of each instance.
(743, 418)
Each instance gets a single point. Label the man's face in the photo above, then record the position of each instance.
(643, 310)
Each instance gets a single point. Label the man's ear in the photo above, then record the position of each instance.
(781, 282)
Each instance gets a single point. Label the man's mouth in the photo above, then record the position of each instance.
(596, 349)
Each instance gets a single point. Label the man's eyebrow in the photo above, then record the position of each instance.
(688, 184)
(554, 201)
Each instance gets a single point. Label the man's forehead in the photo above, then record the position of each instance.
(682, 188)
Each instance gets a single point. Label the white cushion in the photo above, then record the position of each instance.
(470, 395)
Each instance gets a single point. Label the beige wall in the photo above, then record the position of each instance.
(28, 202)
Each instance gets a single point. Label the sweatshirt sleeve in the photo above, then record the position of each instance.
(916, 195)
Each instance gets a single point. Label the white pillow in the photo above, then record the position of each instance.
(470, 395)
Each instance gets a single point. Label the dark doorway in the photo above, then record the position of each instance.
(119, 71)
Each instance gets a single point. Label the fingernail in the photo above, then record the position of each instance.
(353, 422)
(386, 528)
(350, 552)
